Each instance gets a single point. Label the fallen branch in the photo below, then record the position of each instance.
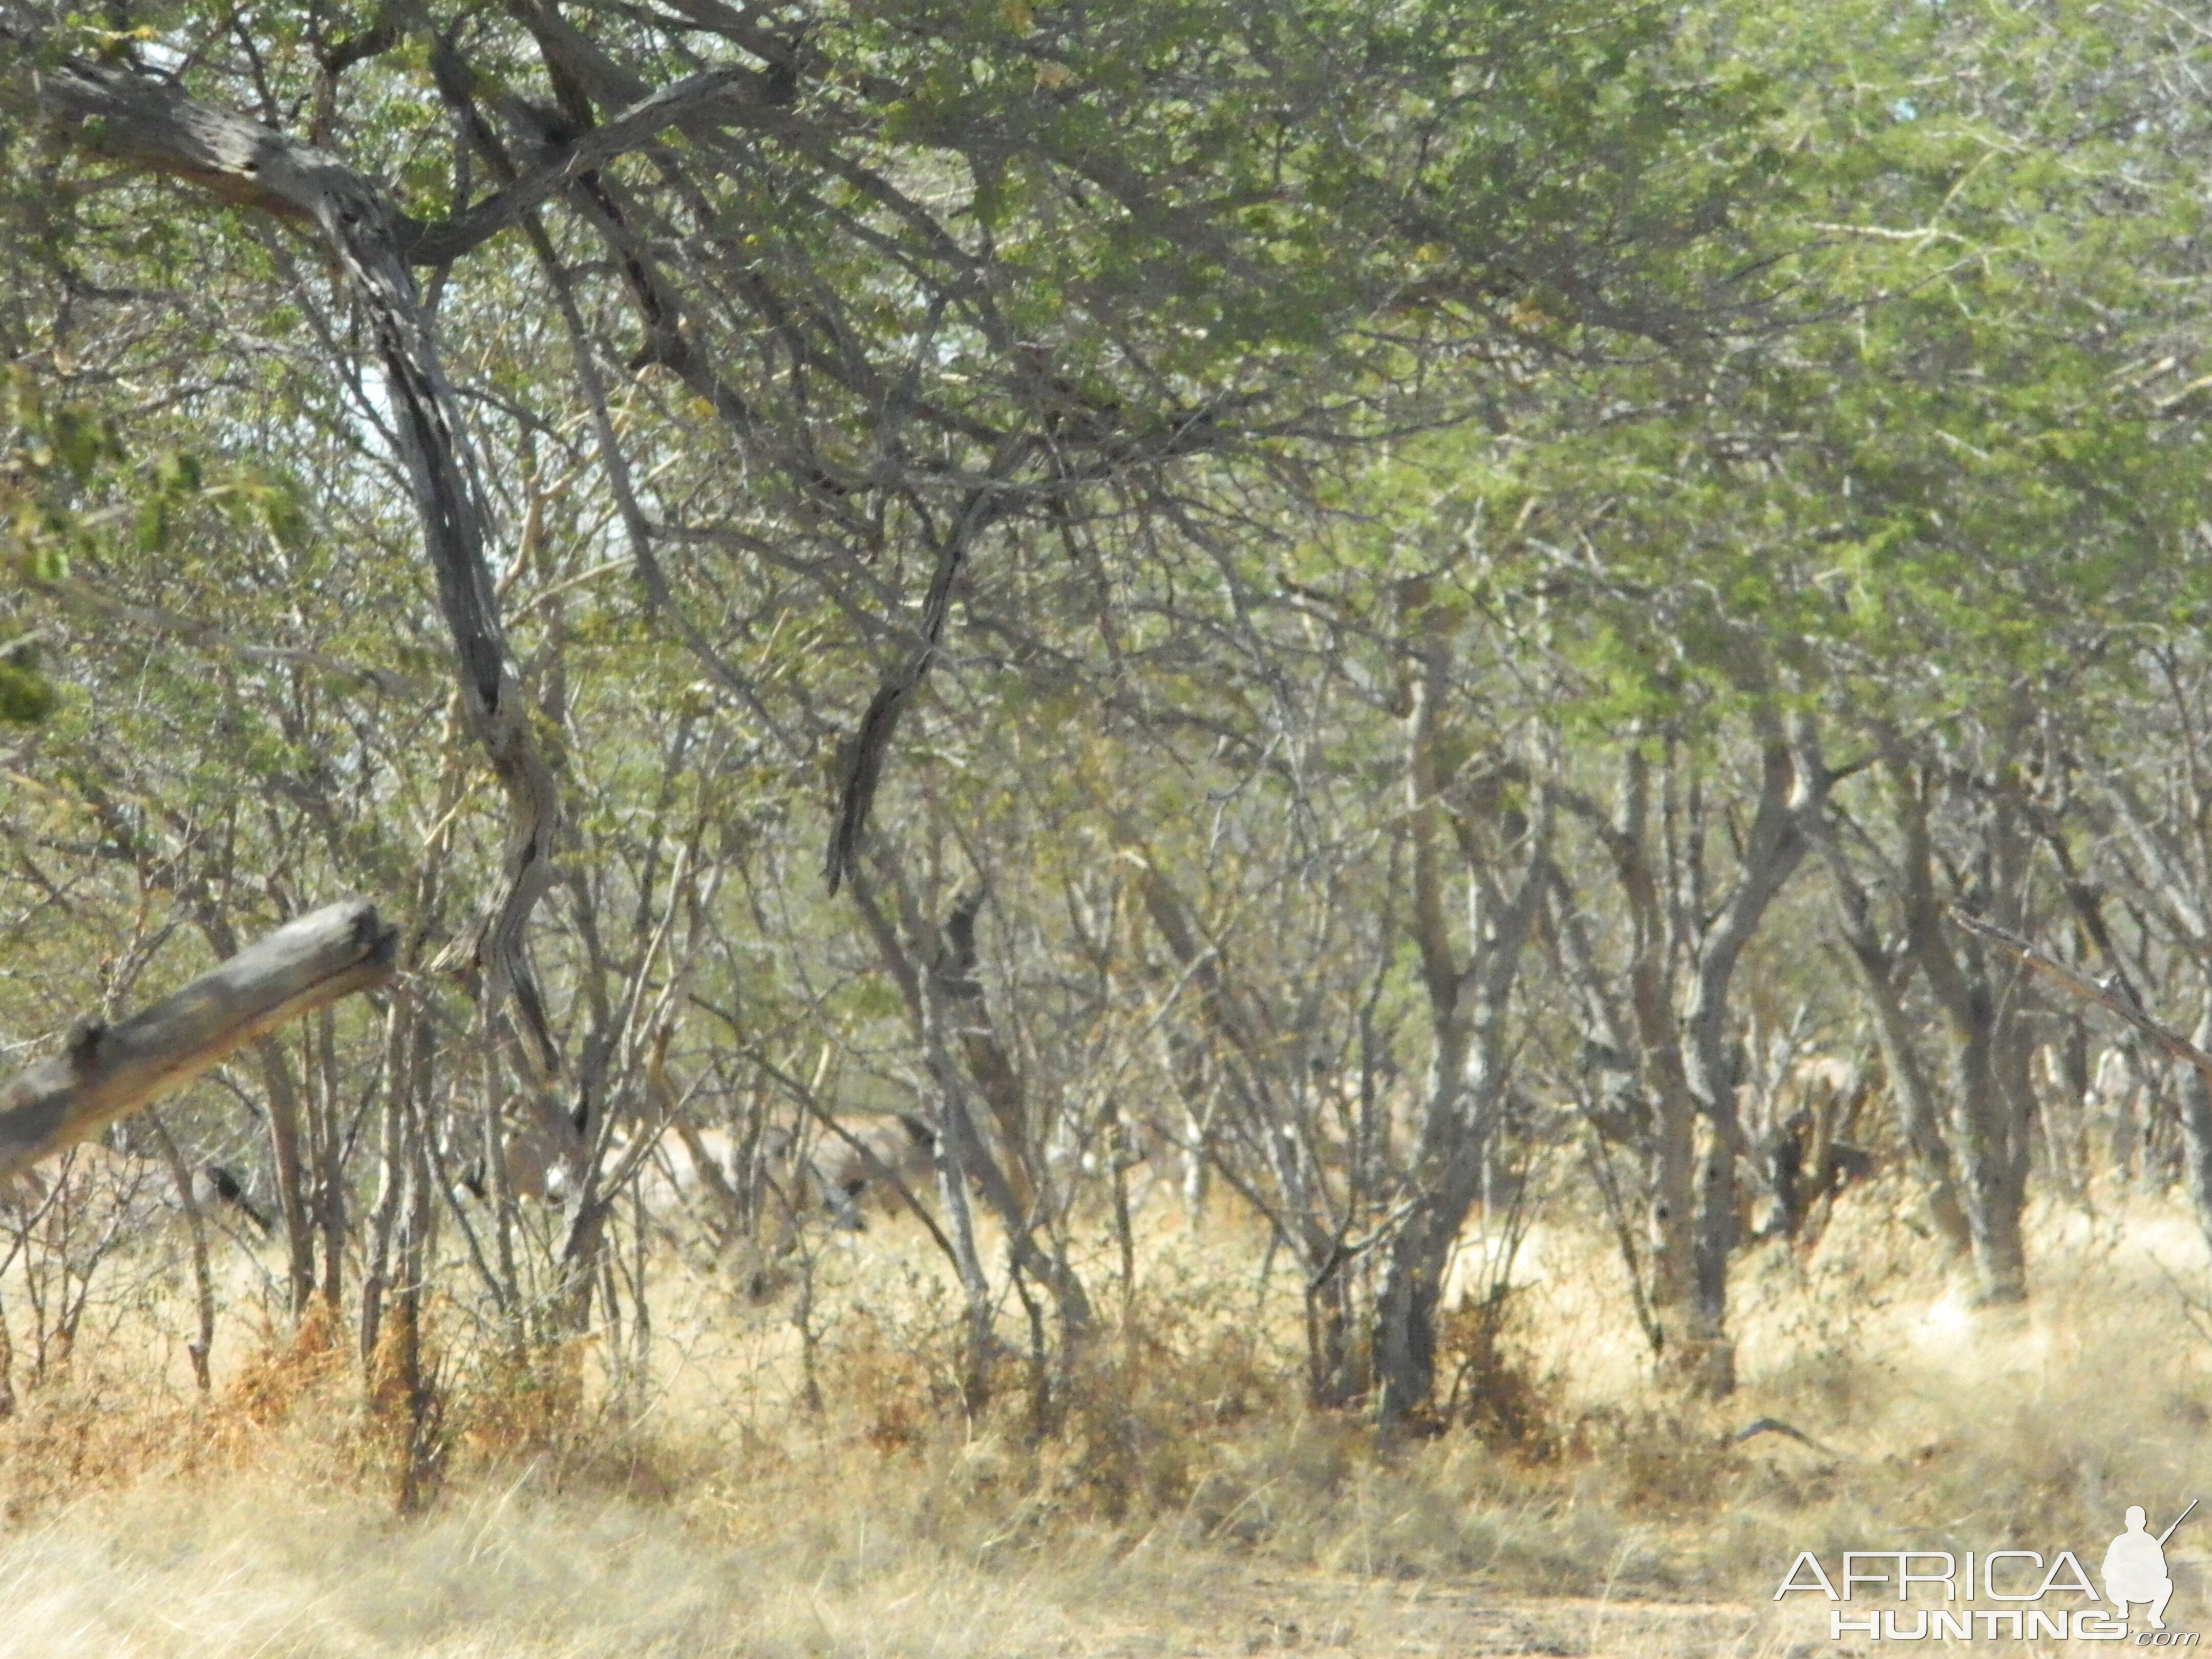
(2111, 1001)
(1776, 1425)
(107, 1072)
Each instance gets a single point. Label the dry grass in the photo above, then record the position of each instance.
(1181, 1501)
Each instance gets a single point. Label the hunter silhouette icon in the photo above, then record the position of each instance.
(2135, 1567)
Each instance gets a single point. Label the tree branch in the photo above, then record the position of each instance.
(2076, 984)
(144, 122)
(105, 1072)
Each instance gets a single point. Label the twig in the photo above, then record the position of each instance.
(1776, 1425)
(2077, 984)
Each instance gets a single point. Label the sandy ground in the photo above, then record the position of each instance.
(1230, 1610)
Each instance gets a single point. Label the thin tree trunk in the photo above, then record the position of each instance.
(951, 1153)
(411, 1379)
(292, 1198)
(924, 998)
(2196, 1125)
(1919, 1113)
(327, 1122)
(1987, 1135)
(202, 1348)
(1772, 849)
(406, 1062)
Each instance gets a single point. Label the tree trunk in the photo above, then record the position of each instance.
(1411, 1294)
(921, 985)
(2197, 1126)
(1994, 1191)
(201, 1348)
(292, 1196)
(1989, 1118)
(407, 1051)
(1772, 849)
(1919, 1113)
(1469, 1003)
(1683, 1044)
(952, 1155)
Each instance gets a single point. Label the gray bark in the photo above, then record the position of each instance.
(1682, 958)
(1771, 853)
(147, 123)
(922, 988)
(1919, 1112)
(1468, 1002)
(2197, 1128)
(1991, 1112)
(2114, 997)
(105, 1073)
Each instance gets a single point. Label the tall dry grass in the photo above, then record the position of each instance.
(704, 1510)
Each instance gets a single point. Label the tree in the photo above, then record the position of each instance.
(826, 310)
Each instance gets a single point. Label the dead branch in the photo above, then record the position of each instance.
(105, 1072)
(2111, 1001)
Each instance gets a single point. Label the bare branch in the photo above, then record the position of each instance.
(2076, 984)
(105, 1072)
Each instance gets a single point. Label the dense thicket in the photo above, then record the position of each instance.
(1396, 609)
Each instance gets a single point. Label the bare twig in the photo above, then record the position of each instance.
(2074, 983)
